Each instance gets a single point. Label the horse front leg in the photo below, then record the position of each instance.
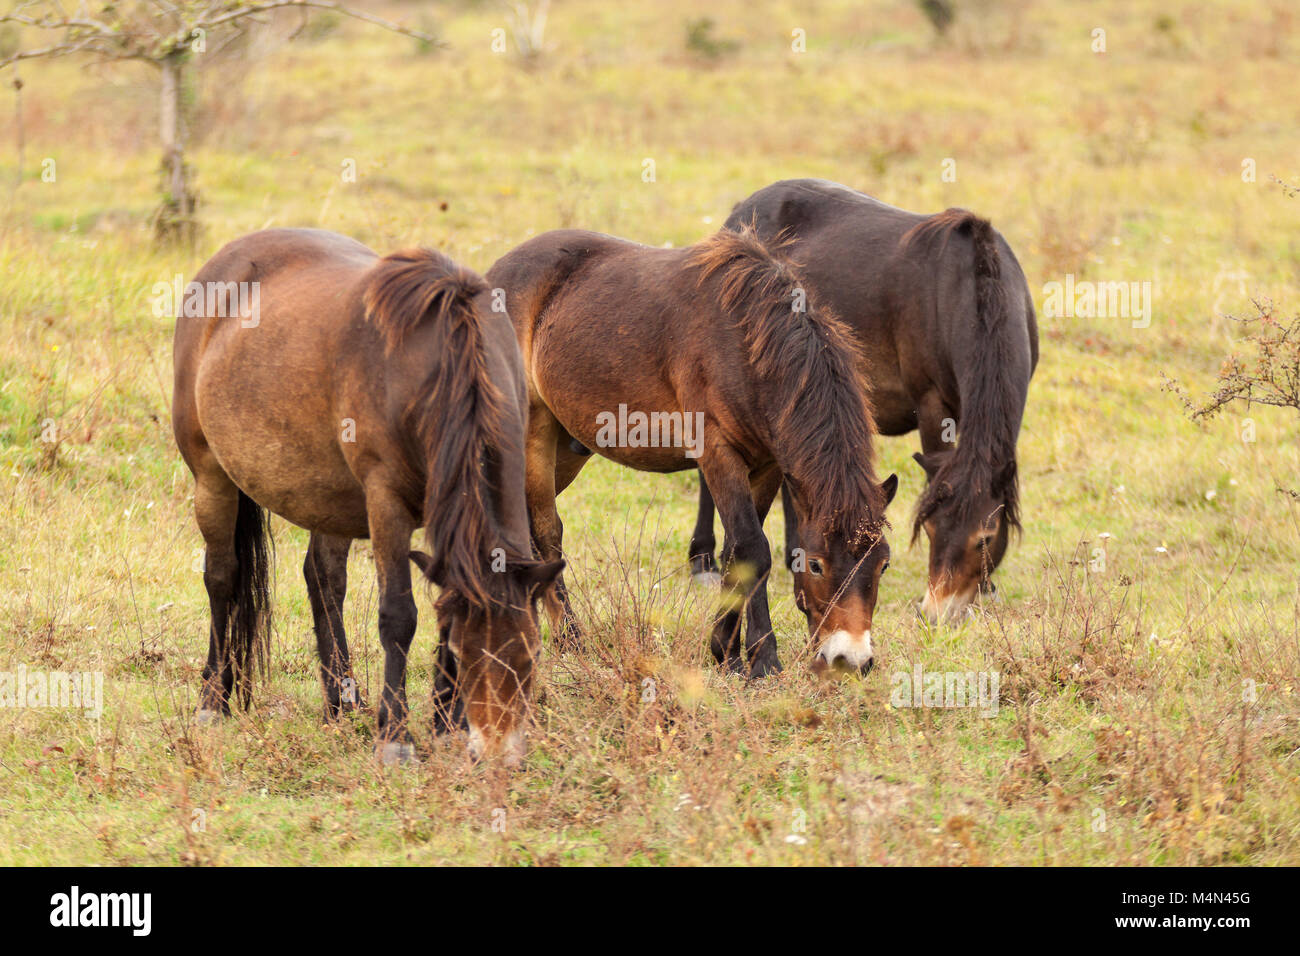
(391, 526)
(448, 705)
(747, 562)
(760, 642)
(547, 472)
(936, 423)
(704, 570)
(791, 526)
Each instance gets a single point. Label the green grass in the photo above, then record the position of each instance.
(1124, 694)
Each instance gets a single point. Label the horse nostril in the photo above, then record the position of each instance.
(842, 664)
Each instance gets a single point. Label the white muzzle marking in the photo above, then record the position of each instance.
(511, 747)
(849, 650)
(948, 609)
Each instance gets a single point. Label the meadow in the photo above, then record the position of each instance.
(1146, 635)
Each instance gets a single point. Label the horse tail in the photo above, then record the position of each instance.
(990, 414)
(248, 628)
(993, 315)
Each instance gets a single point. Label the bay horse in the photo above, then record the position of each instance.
(716, 345)
(362, 397)
(945, 323)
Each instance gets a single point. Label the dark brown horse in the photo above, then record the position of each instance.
(945, 322)
(709, 356)
(361, 397)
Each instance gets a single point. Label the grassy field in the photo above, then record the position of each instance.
(1149, 703)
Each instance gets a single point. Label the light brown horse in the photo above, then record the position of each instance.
(361, 397)
(711, 357)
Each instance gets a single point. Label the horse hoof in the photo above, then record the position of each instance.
(205, 716)
(764, 668)
(449, 721)
(734, 665)
(396, 753)
(710, 580)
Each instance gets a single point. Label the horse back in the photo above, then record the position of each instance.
(912, 304)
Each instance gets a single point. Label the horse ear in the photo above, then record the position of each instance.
(542, 574)
(425, 563)
(929, 462)
(890, 487)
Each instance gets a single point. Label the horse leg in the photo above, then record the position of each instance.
(791, 526)
(326, 571)
(747, 561)
(448, 707)
(216, 509)
(760, 642)
(391, 526)
(933, 418)
(542, 482)
(704, 570)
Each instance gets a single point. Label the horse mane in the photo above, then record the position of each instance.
(818, 405)
(456, 422)
(985, 457)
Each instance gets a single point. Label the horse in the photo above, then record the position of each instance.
(362, 397)
(709, 356)
(945, 321)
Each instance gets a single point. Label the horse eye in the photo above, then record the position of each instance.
(884, 567)
(815, 567)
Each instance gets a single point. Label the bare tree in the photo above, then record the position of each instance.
(1267, 369)
(164, 34)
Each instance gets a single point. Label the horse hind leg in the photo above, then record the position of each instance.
(236, 572)
(326, 572)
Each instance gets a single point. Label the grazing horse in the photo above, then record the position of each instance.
(709, 357)
(945, 323)
(361, 397)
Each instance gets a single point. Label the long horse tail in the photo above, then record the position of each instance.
(457, 416)
(990, 414)
(820, 413)
(249, 623)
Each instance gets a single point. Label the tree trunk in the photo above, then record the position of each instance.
(176, 218)
(18, 122)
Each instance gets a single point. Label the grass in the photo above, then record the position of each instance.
(1148, 711)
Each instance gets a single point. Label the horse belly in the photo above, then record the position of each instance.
(281, 447)
(642, 428)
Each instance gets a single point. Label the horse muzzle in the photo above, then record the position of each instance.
(844, 651)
